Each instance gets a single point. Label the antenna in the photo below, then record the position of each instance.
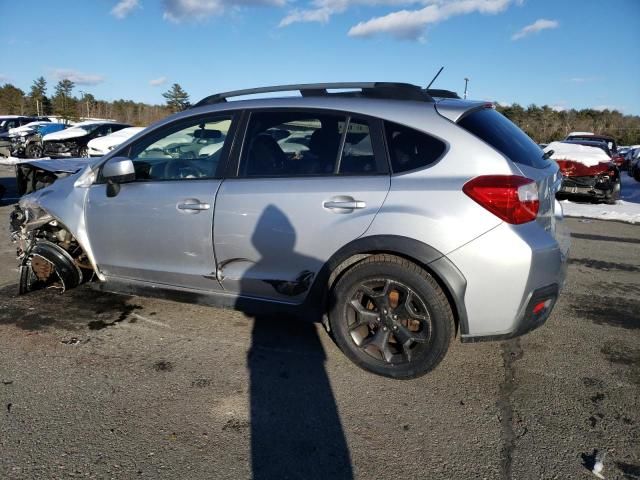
(434, 78)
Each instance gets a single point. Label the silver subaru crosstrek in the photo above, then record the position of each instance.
(401, 216)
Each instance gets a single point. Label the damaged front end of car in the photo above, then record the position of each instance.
(48, 250)
(599, 182)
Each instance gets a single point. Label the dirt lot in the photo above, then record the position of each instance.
(103, 386)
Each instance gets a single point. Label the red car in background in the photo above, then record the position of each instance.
(587, 170)
(592, 137)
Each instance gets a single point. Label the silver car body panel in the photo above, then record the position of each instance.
(143, 234)
(272, 235)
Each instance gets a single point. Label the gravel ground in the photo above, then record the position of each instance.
(96, 385)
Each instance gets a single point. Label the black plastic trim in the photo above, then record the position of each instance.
(444, 271)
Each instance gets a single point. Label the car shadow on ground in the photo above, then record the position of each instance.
(296, 430)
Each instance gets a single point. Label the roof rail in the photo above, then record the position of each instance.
(387, 90)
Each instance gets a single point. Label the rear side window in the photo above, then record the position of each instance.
(410, 149)
(503, 135)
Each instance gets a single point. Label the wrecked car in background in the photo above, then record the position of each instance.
(26, 141)
(13, 127)
(102, 145)
(73, 141)
(611, 143)
(587, 170)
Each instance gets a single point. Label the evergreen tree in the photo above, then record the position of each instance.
(177, 98)
(63, 102)
(12, 100)
(39, 104)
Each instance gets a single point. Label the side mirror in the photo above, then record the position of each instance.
(117, 170)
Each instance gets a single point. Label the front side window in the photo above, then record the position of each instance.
(188, 150)
(410, 149)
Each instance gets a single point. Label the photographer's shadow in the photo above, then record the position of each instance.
(295, 426)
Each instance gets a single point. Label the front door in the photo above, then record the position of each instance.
(308, 183)
(159, 227)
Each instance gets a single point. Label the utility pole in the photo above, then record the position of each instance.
(466, 83)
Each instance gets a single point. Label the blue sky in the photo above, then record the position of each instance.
(564, 53)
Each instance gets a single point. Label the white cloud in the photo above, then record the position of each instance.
(322, 10)
(184, 10)
(76, 77)
(558, 107)
(410, 24)
(156, 82)
(4, 78)
(124, 8)
(535, 27)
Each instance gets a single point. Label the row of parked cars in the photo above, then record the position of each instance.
(632, 160)
(591, 165)
(36, 137)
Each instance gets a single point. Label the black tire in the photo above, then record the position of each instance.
(614, 195)
(33, 150)
(414, 330)
(636, 174)
(83, 152)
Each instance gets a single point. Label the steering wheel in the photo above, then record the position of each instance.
(181, 168)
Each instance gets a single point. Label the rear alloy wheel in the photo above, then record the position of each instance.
(391, 317)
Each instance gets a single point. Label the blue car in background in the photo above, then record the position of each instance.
(28, 143)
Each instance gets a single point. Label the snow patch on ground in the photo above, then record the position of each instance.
(627, 209)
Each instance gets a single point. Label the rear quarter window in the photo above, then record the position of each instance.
(503, 135)
(411, 149)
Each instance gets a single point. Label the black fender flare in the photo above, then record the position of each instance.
(432, 260)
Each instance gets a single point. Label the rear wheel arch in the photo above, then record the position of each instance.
(424, 256)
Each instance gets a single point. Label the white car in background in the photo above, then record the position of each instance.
(102, 145)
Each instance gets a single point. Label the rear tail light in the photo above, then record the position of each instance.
(512, 198)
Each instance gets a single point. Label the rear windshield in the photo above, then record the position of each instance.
(499, 132)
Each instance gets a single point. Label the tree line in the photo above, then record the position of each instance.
(65, 104)
(543, 124)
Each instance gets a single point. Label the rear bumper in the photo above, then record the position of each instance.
(530, 318)
(510, 271)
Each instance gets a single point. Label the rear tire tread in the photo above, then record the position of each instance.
(441, 307)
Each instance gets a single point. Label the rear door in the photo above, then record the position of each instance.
(159, 227)
(306, 183)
